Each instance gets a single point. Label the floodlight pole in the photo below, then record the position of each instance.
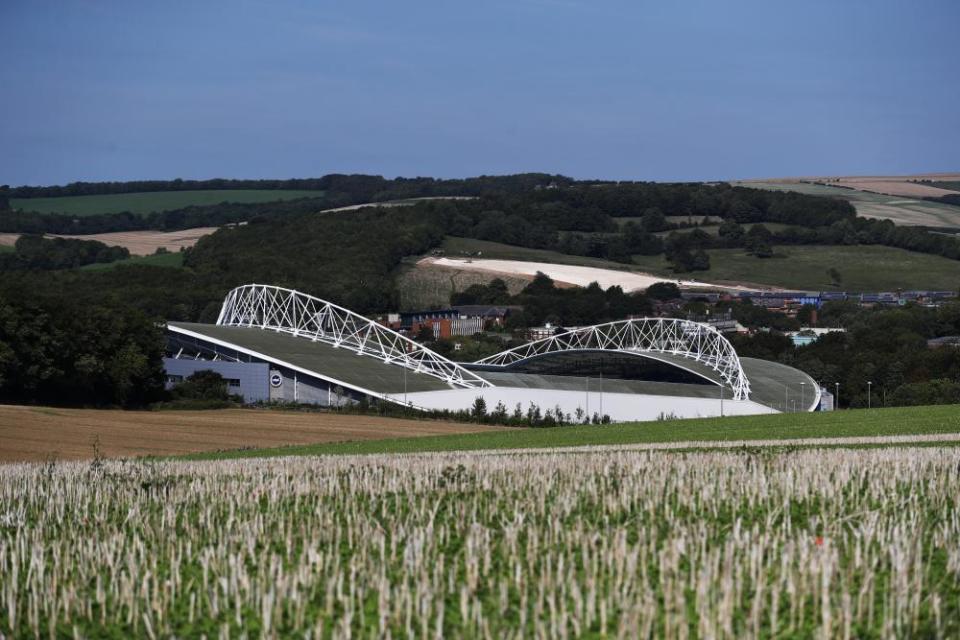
(803, 396)
(836, 396)
(721, 399)
(869, 393)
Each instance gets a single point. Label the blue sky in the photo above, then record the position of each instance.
(666, 90)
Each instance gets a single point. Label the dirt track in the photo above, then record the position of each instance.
(37, 433)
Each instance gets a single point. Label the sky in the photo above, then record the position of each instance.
(639, 90)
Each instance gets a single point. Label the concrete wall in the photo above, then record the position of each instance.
(254, 382)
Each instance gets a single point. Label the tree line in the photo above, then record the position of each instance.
(887, 347)
(39, 253)
(368, 187)
(543, 302)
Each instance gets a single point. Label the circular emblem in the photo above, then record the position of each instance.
(276, 379)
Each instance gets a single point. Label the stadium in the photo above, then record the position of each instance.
(278, 345)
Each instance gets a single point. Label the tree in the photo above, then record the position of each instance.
(541, 284)
(202, 385)
(653, 220)
(731, 231)
(701, 261)
(663, 291)
(835, 277)
(493, 293)
(479, 409)
(4, 198)
(681, 259)
(759, 241)
(806, 314)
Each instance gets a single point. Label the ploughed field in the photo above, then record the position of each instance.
(732, 544)
(44, 433)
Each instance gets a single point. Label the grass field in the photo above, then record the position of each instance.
(836, 424)
(833, 543)
(899, 209)
(172, 260)
(951, 185)
(863, 268)
(41, 433)
(153, 201)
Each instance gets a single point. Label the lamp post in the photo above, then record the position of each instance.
(869, 393)
(601, 390)
(721, 399)
(836, 396)
(803, 396)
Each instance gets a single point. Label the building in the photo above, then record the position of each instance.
(278, 345)
(809, 335)
(945, 341)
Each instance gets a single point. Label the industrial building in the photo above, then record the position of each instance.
(275, 344)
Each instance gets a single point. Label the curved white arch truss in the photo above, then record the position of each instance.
(692, 340)
(304, 316)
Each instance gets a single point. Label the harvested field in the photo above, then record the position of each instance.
(896, 188)
(37, 433)
(426, 285)
(899, 210)
(140, 243)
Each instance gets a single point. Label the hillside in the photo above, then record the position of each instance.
(151, 202)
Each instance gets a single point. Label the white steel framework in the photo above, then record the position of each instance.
(693, 340)
(304, 316)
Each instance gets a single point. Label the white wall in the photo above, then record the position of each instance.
(621, 407)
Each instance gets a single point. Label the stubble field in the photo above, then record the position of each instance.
(816, 543)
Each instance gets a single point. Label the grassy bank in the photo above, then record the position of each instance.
(853, 423)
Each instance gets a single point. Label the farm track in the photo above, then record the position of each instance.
(41, 433)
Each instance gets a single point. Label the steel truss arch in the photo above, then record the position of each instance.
(692, 340)
(305, 316)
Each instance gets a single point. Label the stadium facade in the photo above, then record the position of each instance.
(276, 344)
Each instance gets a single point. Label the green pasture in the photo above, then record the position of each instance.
(149, 202)
(174, 259)
(862, 267)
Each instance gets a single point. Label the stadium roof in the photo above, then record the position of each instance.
(317, 338)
